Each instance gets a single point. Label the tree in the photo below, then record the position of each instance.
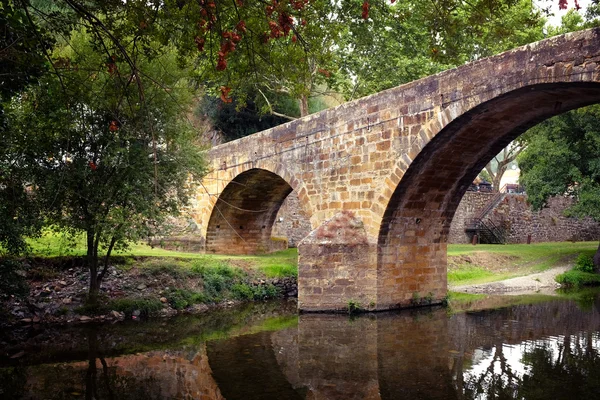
(102, 156)
(412, 39)
(563, 158)
(22, 62)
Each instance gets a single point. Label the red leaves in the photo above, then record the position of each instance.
(563, 5)
(298, 4)
(241, 26)
(324, 72)
(200, 43)
(365, 10)
(275, 30)
(111, 65)
(286, 22)
(225, 94)
(221, 62)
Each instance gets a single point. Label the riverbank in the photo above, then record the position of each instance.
(140, 285)
(136, 287)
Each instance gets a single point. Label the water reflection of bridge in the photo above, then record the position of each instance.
(410, 354)
(386, 356)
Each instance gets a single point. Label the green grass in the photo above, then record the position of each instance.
(522, 259)
(542, 255)
(527, 259)
(469, 274)
(275, 265)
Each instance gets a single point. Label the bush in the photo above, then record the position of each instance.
(146, 306)
(12, 281)
(264, 292)
(584, 263)
(241, 291)
(575, 278)
(163, 266)
(182, 298)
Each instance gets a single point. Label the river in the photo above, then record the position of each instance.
(542, 349)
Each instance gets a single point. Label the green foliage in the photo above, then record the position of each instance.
(220, 282)
(353, 307)
(235, 120)
(412, 39)
(12, 278)
(576, 278)
(584, 263)
(107, 150)
(146, 306)
(182, 298)
(562, 158)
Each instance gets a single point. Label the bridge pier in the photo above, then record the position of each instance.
(337, 267)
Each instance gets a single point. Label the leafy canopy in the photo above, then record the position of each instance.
(563, 157)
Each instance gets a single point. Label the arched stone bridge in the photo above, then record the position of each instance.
(381, 177)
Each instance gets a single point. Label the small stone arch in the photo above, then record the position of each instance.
(243, 213)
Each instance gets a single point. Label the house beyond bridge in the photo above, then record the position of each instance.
(381, 177)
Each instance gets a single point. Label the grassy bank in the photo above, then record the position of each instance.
(468, 264)
(275, 265)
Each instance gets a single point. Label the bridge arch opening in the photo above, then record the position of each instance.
(412, 240)
(242, 217)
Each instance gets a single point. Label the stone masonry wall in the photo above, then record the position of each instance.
(546, 225)
(470, 205)
(291, 222)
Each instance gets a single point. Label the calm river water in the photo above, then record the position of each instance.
(546, 350)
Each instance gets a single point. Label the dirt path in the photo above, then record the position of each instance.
(542, 282)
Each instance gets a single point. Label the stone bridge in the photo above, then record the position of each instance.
(381, 177)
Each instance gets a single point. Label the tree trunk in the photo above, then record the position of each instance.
(498, 178)
(597, 260)
(303, 106)
(92, 262)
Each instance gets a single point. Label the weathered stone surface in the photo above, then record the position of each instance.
(400, 160)
(337, 266)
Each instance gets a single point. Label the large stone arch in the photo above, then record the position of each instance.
(413, 235)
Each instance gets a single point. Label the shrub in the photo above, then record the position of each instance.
(241, 291)
(575, 278)
(264, 292)
(12, 281)
(584, 263)
(146, 306)
(163, 266)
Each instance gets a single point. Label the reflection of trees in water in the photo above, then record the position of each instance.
(492, 384)
(107, 384)
(98, 381)
(563, 368)
(573, 373)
